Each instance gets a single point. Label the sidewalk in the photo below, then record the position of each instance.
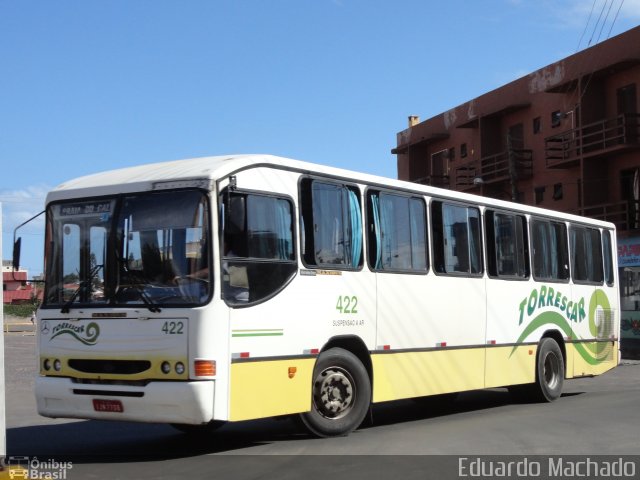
(13, 324)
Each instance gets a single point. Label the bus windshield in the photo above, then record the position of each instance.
(148, 249)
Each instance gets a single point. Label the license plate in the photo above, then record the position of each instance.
(113, 406)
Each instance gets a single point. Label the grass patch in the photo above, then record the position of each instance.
(25, 310)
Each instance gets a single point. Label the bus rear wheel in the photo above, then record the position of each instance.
(341, 394)
(549, 371)
(549, 375)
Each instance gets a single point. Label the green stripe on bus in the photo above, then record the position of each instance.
(267, 332)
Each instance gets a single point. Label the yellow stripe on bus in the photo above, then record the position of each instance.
(415, 374)
(607, 354)
(267, 388)
(263, 388)
(506, 366)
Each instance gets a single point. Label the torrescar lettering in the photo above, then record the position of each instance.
(592, 352)
(88, 335)
(549, 297)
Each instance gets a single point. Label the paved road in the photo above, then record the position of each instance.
(594, 416)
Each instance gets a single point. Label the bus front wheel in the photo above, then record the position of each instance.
(341, 394)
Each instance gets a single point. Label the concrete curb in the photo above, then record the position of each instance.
(18, 327)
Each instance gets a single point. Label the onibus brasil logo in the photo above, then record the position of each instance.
(87, 334)
(563, 312)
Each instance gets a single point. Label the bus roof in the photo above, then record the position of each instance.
(209, 169)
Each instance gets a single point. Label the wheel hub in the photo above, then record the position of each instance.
(334, 390)
(551, 370)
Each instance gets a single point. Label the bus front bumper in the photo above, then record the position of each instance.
(156, 402)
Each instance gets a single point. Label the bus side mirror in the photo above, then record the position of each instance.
(17, 243)
(16, 253)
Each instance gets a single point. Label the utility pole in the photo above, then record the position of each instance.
(513, 173)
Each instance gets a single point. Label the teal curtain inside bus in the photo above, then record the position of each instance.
(399, 227)
(337, 225)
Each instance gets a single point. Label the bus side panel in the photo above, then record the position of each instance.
(594, 339)
(593, 358)
(302, 318)
(253, 385)
(510, 365)
(569, 360)
(416, 374)
(508, 315)
(435, 327)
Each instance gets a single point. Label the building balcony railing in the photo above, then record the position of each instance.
(618, 133)
(625, 215)
(442, 181)
(495, 169)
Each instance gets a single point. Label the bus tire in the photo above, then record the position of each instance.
(340, 396)
(549, 371)
(196, 430)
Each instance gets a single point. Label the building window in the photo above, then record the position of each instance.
(537, 124)
(539, 195)
(557, 191)
(463, 150)
(452, 154)
(556, 118)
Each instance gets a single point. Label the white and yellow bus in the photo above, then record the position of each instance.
(220, 289)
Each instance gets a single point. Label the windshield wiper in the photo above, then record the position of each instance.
(138, 286)
(83, 284)
(145, 298)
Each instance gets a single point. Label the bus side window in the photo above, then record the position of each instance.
(608, 257)
(457, 245)
(397, 237)
(507, 245)
(332, 219)
(258, 256)
(586, 255)
(550, 255)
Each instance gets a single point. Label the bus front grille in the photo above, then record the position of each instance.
(118, 367)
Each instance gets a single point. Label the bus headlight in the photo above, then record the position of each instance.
(165, 367)
(180, 368)
(57, 365)
(46, 364)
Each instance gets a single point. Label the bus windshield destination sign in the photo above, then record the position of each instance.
(85, 209)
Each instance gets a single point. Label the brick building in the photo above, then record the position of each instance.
(15, 286)
(565, 137)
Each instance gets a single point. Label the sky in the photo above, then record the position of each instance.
(91, 85)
